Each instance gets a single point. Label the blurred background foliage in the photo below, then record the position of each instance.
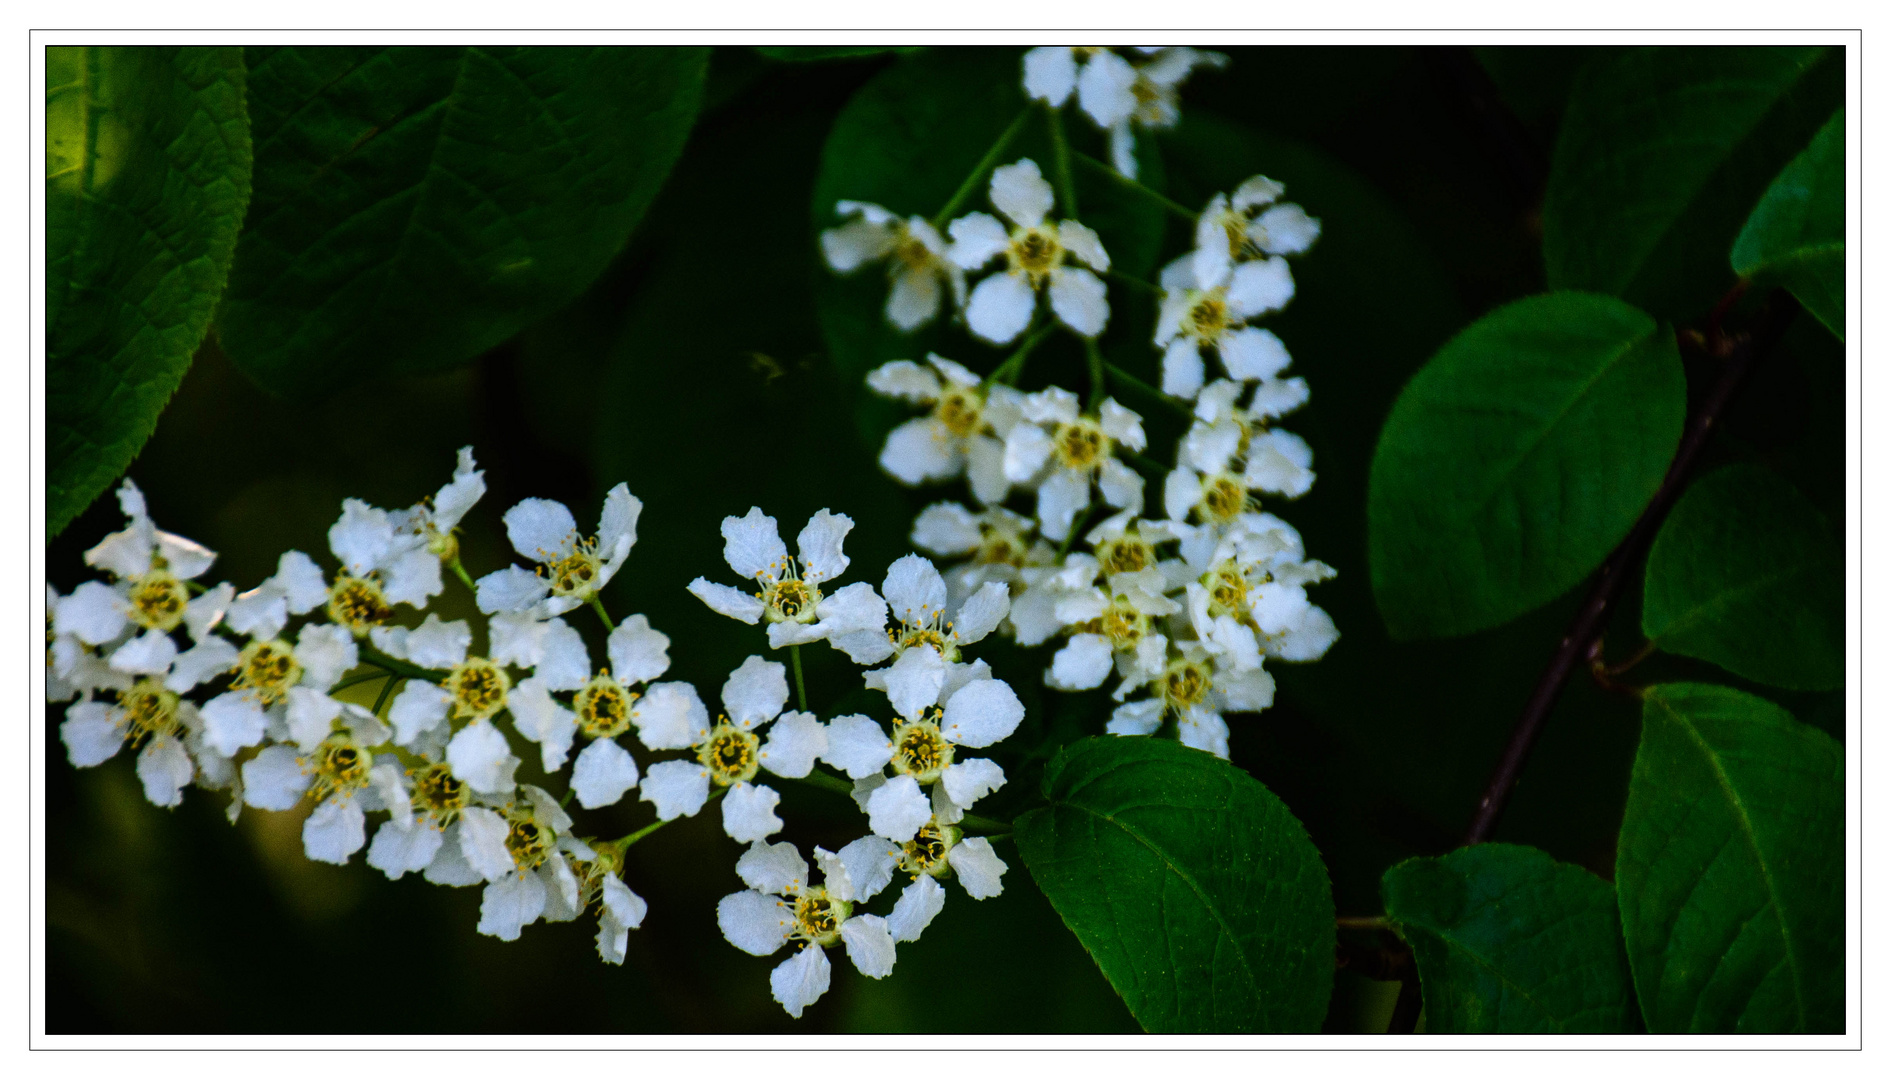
(695, 369)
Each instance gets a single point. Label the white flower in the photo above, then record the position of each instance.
(600, 883)
(1200, 313)
(1250, 600)
(978, 711)
(934, 852)
(1117, 94)
(1117, 622)
(437, 519)
(151, 567)
(296, 588)
(1060, 452)
(730, 754)
(147, 714)
(917, 266)
(399, 552)
(472, 688)
(1000, 543)
(413, 841)
(277, 682)
(534, 876)
(341, 774)
(1250, 225)
(572, 569)
(1223, 462)
(1035, 253)
(782, 905)
(963, 434)
(917, 596)
(791, 601)
(1197, 691)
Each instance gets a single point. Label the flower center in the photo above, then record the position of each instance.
(907, 635)
(1224, 498)
(478, 687)
(786, 597)
(1126, 554)
(1227, 591)
(1244, 247)
(576, 574)
(1080, 445)
(267, 669)
(357, 604)
(439, 794)
(730, 755)
(925, 853)
(339, 765)
(529, 844)
(150, 710)
(919, 751)
(817, 916)
(1184, 683)
(1034, 253)
(959, 411)
(1208, 316)
(913, 253)
(158, 599)
(604, 708)
(1123, 625)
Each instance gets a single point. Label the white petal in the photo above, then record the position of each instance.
(981, 713)
(1083, 242)
(1079, 299)
(621, 906)
(1103, 89)
(418, 708)
(1309, 639)
(755, 692)
(1253, 353)
(675, 788)
(273, 779)
(1082, 664)
(670, 716)
(772, 868)
(1060, 498)
(748, 813)
(857, 745)
(922, 449)
(982, 613)
(1278, 397)
(480, 756)
(1021, 193)
(799, 981)
(398, 850)
(452, 501)
(1248, 691)
(436, 644)
(946, 529)
(1120, 485)
(1136, 718)
(1122, 424)
(150, 653)
(510, 904)
(904, 380)
(1280, 462)
(540, 718)
(1256, 191)
(203, 613)
(362, 537)
(914, 298)
(638, 653)
(913, 682)
(1123, 149)
(561, 890)
(968, 781)
(260, 613)
(1050, 73)
(976, 239)
(300, 582)
(897, 808)
(852, 244)
(755, 923)
(511, 589)
(326, 652)
(1000, 308)
(752, 545)
(918, 905)
(164, 767)
(863, 646)
(1204, 729)
(233, 721)
(869, 945)
(311, 716)
(1182, 369)
(542, 530)
(1260, 286)
(93, 612)
(1287, 230)
(482, 843)
(603, 773)
(564, 663)
(849, 609)
(334, 831)
(794, 742)
(914, 591)
(869, 862)
(1181, 490)
(985, 469)
(449, 866)
(979, 868)
(724, 600)
(92, 735)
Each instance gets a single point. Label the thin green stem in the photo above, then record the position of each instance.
(1118, 375)
(387, 690)
(1008, 371)
(459, 571)
(1060, 162)
(625, 841)
(358, 680)
(984, 166)
(1076, 529)
(828, 781)
(1139, 188)
(800, 687)
(597, 605)
(372, 655)
(565, 799)
(1155, 469)
(1098, 385)
(987, 827)
(1133, 282)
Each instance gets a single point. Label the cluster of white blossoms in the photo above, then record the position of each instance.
(244, 693)
(1182, 604)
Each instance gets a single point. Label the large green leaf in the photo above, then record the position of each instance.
(1661, 155)
(415, 206)
(1517, 458)
(1746, 573)
(1731, 866)
(906, 141)
(1195, 889)
(1796, 235)
(1508, 940)
(147, 175)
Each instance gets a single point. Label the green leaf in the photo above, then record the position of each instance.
(1195, 889)
(907, 140)
(1731, 866)
(1517, 458)
(416, 206)
(1662, 153)
(147, 174)
(1508, 940)
(1796, 235)
(1747, 574)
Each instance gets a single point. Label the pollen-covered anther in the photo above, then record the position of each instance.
(926, 852)
(478, 687)
(1125, 554)
(919, 751)
(574, 574)
(1227, 592)
(1184, 683)
(529, 844)
(1123, 625)
(1224, 498)
(1208, 316)
(158, 600)
(1035, 252)
(339, 767)
(786, 596)
(438, 794)
(267, 669)
(1081, 444)
(358, 604)
(817, 916)
(960, 411)
(603, 707)
(150, 710)
(730, 754)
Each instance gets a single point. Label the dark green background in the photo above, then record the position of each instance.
(694, 370)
